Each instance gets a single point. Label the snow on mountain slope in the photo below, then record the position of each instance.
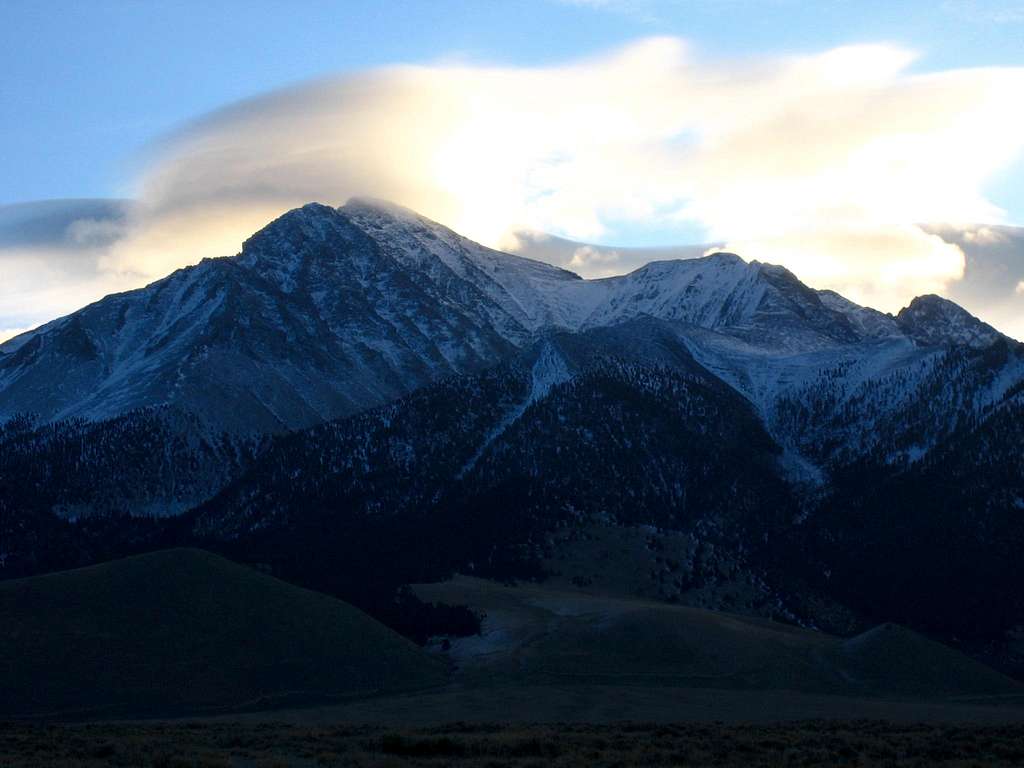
(893, 395)
(751, 301)
(869, 323)
(313, 320)
(549, 369)
(525, 290)
(720, 291)
(329, 311)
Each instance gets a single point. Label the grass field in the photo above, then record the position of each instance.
(268, 675)
(184, 631)
(220, 745)
(533, 633)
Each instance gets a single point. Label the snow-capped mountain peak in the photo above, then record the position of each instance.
(327, 311)
(283, 248)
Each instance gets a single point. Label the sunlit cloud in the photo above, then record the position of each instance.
(824, 163)
(597, 260)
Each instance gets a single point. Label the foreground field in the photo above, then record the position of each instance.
(610, 704)
(857, 743)
(184, 632)
(536, 634)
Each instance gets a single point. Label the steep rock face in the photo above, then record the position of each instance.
(520, 295)
(760, 303)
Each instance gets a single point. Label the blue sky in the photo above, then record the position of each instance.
(817, 135)
(88, 85)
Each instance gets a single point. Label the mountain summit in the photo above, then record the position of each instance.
(932, 320)
(328, 311)
(320, 315)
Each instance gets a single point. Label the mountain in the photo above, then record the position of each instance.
(618, 435)
(362, 399)
(150, 462)
(947, 528)
(485, 473)
(935, 321)
(185, 631)
(314, 319)
(327, 311)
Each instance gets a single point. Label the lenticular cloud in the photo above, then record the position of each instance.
(824, 163)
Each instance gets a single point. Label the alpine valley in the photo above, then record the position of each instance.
(362, 399)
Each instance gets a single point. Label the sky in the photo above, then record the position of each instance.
(876, 148)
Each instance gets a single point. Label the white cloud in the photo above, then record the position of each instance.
(822, 162)
(984, 235)
(596, 260)
(593, 260)
(50, 255)
(994, 268)
(1020, 288)
(38, 284)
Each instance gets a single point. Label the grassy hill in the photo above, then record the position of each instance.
(541, 635)
(187, 631)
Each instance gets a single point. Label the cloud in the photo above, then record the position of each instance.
(70, 224)
(1020, 288)
(596, 260)
(590, 258)
(50, 258)
(823, 163)
(993, 273)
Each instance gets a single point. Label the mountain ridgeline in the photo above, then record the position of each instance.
(363, 399)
